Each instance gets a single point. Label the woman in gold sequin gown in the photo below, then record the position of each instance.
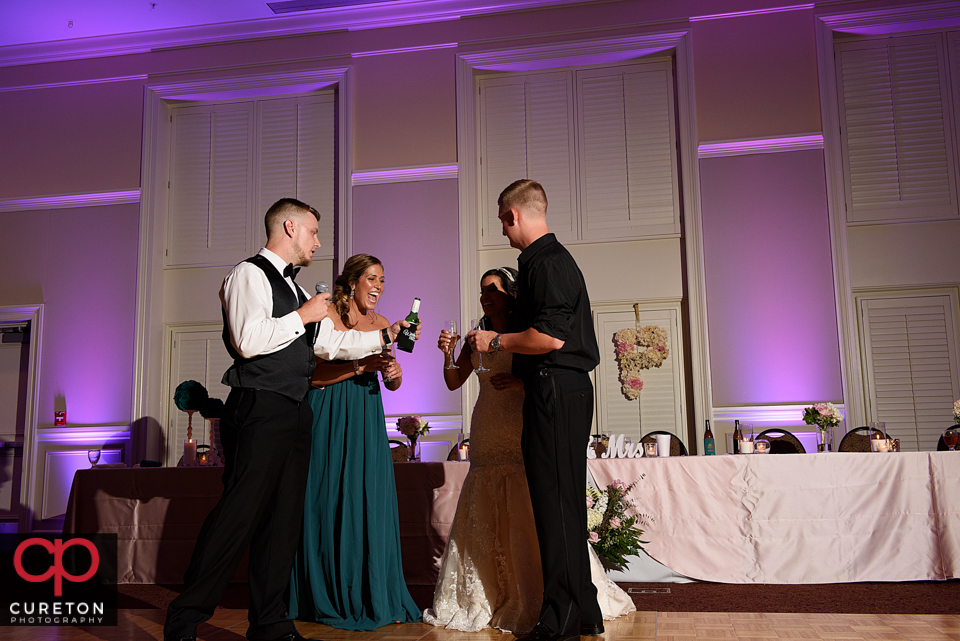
(490, 575)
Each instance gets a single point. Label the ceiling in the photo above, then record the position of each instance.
(33, 23)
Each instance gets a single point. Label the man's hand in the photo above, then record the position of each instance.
(315, 309)
(394, 330)
(479, 340)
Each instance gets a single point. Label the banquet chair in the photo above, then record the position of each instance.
(941, 446)
(399, 451)
(452, 456)
(857, 440)
(781, 441)
(677, 448)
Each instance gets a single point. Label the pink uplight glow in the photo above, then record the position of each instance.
(769, 279)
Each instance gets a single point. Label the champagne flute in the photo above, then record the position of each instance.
(477, 324)
(451, 327)
(390, 351)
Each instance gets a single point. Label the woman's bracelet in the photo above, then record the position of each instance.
(356, 367)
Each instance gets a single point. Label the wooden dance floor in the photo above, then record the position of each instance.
(230, 625)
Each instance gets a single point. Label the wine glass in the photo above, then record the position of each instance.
(451, 327)
(477, 324)
(93, 456)
(950, 439)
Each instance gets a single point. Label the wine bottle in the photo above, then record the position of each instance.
(736, 437)
(408, 335)
(709, 446)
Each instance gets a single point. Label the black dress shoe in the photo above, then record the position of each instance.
(540, 633)
(591, 629)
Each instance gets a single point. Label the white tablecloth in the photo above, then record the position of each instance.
(799, 518)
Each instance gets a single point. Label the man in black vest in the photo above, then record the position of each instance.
(555, 348)
(273, 330)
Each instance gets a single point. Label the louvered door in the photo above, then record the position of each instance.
(296, 159)
(527, 132)
(661, 405)
(896, 130)
(211, 185)
(910, 356)
(628, 152)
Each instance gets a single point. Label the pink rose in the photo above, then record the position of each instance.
(623, 348)
(593, 538)
(615, 522)
(635, 383)
(618, 484)
(589, 502)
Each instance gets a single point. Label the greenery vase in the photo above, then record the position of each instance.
(823, 439)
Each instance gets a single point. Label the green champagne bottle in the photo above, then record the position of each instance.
(408, 335)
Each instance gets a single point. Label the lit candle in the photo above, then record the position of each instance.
(883, 445)
(189, 452)
(462, 453)
(762, 447)
(746, 447)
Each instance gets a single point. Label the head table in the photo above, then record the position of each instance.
(156, 514)
(799, 518)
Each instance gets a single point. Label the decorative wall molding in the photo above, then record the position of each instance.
(404, 175)
(67, 201)
(891, 20)
(754, 12)
(388, 52)
(759, 146)
(74, 83)
(573, 53)
(765, 415)
(107, 433)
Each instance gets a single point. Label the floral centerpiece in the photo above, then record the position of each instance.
(413, 427)
(825, 416)
(956, 411)
(612, 532)
(638, 349)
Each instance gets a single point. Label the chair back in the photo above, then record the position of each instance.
(677, 448)
(857, 439)
(399, 451)
(781, 441)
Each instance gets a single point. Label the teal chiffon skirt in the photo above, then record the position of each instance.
(348, 573)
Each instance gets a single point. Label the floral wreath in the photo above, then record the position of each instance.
(636, 349)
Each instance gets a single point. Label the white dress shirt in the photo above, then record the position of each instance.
(247, 298)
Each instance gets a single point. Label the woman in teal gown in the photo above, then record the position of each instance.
(348, 573)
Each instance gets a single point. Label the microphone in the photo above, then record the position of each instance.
(322, 287)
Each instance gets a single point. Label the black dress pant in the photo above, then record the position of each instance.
(557, 412)
(266, 441)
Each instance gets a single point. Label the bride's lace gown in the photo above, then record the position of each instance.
(490, 573)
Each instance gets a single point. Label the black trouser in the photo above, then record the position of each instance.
(557, 412)
(266, 443)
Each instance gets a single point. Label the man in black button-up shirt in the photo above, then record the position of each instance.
(554, 348)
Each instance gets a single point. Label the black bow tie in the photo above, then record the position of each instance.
(290, 271)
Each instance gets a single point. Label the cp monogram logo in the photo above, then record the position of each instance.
(56, 570)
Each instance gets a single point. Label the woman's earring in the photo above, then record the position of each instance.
(351, 292)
